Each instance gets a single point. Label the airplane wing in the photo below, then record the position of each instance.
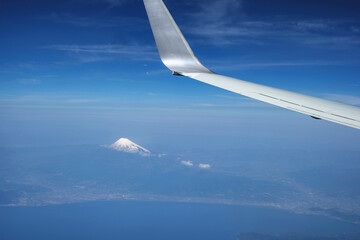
(177, 55)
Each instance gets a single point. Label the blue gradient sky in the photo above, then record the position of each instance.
(88, 71)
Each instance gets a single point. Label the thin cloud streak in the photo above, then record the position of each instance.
(259, 33)
(102, 22)
(30, 81)
(225, 23)
(262, 65)
(347, 99)
(218, 11)
(111, 3)
(96, 53)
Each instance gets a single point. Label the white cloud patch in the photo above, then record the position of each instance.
(187, 163)
(204, 166)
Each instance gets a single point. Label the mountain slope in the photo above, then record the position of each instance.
(125, 145)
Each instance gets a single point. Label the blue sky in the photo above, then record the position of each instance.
(84, 68)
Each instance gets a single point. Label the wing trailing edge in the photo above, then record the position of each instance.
(177, 55)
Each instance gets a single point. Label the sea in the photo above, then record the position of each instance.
(159, 220)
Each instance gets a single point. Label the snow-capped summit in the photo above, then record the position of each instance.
(125, 145)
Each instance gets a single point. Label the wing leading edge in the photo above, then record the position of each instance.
(177, 55)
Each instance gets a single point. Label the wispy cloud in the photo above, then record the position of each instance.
(29, 81)
(243, 102)
(97, 22)
(249, 32)
(187, 163)
(232, 96)
(218, 11)
(339, 41)
(347, 99)
(96, 53)
(262, 65)
(204, 166)
(82, 100)
(311, 25)
(355, 29)
(205, 105)
(157, 72)
(225, 22)
(47, 100)
(29, 66)
(111, 3)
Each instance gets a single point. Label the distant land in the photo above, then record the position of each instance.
(257, 236)
(40, 176)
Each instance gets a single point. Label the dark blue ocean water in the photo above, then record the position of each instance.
(157, 220)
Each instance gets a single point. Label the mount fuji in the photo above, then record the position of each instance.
(125, 145)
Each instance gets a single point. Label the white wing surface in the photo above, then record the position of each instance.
(177, 55)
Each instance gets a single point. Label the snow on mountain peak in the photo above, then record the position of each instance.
(125, 145)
